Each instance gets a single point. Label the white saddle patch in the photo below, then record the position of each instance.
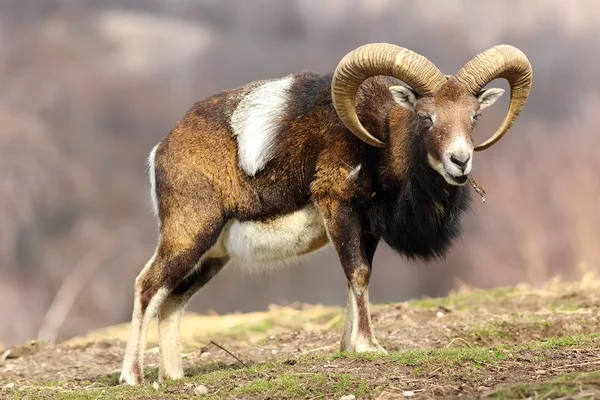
(256, 120)
(255, 243)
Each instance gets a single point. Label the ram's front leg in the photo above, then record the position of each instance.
(355, 250)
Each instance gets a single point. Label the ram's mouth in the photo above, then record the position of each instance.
(460, 180)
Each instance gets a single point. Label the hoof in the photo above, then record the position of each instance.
(370, 348)
(170, 377)
(363, 347)
(130, 379)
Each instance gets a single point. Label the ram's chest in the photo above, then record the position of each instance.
(278, 239)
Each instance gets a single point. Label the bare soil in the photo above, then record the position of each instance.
(518, 342)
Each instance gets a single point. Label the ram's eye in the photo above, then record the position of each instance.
(475, 118)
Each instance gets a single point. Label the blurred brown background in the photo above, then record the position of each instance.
(88, 87)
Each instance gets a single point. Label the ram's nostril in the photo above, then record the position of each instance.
(461, 162)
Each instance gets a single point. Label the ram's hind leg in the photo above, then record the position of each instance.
(185, 236)
(171, 311)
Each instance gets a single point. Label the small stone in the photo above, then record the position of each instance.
(273, 351)
(205, 354)
(155, 385)
(201, 390)
(348, 397)
(408, 393)
(540, 372)
(439, 314)
(9, 385)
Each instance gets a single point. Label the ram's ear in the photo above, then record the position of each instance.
(488, 97)
(404, 96)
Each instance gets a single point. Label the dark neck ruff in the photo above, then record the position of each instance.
(420, 216)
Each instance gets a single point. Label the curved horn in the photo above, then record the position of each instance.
(501, 61)
(379, 59)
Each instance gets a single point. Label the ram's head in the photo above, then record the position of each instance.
(444, 107)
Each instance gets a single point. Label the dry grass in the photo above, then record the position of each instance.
(501, 343)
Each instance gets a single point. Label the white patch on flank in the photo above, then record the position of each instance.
(152, 177)
(255, 123)
(255, 243)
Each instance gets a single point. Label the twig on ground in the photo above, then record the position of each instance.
(317, 349)
(412, 390)
(204, 348)
(594, 362)
(458, 338)
(228, 352)
(95, 386)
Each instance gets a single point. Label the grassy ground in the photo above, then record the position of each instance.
(518, 342)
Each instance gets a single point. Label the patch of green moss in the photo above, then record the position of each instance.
(432, 358)
(449, 357)
(301, 385)
(591, 340)
(488, 331)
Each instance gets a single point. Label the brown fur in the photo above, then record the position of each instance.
(200, 187)
(453, 106)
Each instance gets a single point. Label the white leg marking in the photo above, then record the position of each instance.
(256, 121)
(169, 317)
(133, 364)
(169, 343)
(169, 322)
(152, 177)
(358, 331)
